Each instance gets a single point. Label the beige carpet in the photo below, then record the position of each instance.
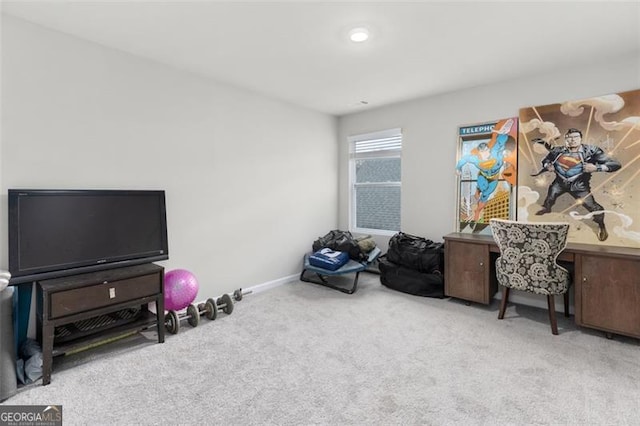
(303, 354)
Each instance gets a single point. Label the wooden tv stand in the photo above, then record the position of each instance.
(605, 280)
(89, 309)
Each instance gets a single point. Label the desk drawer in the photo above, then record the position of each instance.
(90, 297)
(468, 272)
(608, 294)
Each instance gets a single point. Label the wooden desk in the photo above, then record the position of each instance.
(606, 280)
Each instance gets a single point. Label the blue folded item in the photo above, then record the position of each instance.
(328, 259)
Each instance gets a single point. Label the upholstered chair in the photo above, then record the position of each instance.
(527, 262)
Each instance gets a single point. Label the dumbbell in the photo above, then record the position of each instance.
(173, 318)
(239, 294)
(211, 307)
(225, 304)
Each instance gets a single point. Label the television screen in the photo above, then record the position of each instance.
(54, 233)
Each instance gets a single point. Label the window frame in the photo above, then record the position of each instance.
(353, 185)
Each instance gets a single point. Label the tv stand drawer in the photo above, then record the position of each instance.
(86, 303)
(76, 294)
(100, 295)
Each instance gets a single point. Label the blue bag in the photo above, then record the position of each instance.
(329, 259)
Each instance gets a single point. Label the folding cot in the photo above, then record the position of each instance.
(353, 266)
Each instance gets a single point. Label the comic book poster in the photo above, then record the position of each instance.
(487, 174)
(579, 162)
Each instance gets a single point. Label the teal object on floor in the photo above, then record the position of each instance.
(8, 378)
(21, 312)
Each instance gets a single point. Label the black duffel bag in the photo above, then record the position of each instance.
(340, 241)
(417, 253)
(410, 281)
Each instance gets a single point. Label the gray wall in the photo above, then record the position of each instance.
(429, 126)
(238, 168)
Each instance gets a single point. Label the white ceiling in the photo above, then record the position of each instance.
(298, 51)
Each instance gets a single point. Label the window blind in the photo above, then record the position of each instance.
(393, 143)
(388, 142)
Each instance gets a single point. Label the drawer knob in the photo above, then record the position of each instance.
(112, 293)
(584, 279)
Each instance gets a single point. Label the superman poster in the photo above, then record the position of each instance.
(487, 174)
(579, 162)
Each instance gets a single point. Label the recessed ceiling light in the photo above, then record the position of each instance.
(359, 35)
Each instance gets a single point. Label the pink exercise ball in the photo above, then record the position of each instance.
(180, 289)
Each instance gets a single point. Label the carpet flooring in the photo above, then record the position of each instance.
(303, 354)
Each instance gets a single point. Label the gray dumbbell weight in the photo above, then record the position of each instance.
(209, 309)
(225, 304)
(173, 318)
(239, 294)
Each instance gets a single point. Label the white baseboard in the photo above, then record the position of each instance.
(254, 289)
(536, 301)
(271, 284)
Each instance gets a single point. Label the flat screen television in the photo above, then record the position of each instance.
(54, 233)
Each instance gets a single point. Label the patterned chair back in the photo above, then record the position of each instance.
(528, 252)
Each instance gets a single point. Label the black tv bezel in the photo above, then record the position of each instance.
(20, 277)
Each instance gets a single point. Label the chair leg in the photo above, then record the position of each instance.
(503, 304)
(566, 304)
(552, 314)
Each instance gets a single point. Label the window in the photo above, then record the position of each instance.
(375, 178)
